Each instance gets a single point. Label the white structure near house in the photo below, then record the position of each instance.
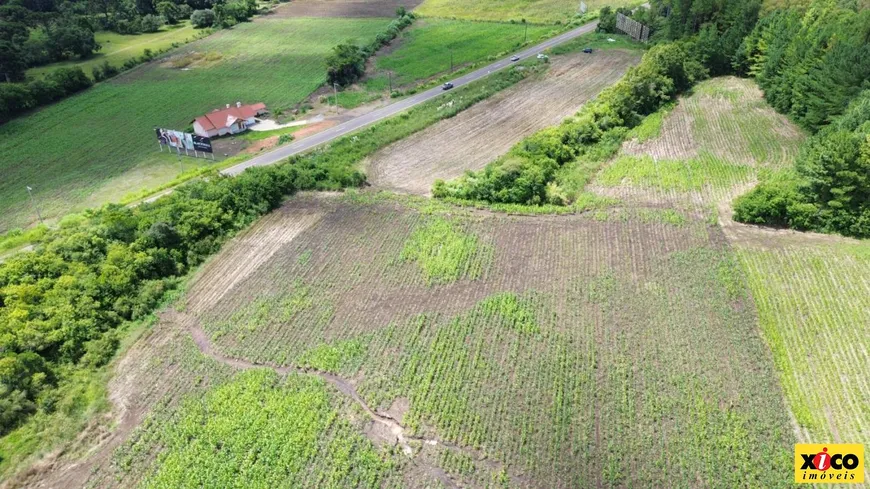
(231, 120)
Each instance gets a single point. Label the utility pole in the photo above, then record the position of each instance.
(451, 61)
(526, 31)
(390, 76)
(33, 201)
(335, 92)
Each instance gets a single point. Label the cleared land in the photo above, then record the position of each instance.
(425, 49)
(713, 142)
(537, 11)
(500, 351)
(99, 145)
(479, 135)
(118, 48)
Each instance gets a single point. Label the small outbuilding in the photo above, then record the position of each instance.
(231, 120)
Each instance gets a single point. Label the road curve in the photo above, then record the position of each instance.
(388, 111)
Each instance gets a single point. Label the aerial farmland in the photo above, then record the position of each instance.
(487, 244)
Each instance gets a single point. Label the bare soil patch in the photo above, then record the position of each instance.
(247, 252)
(487, 130)
(343, 8)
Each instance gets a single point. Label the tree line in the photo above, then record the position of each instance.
(347, 62)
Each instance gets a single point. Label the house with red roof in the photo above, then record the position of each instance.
(231, 120)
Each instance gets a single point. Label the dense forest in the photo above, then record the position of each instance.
(811, 62)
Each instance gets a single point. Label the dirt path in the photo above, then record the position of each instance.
(489, 129)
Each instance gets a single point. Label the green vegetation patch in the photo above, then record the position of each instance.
(445, 252)
(681, 175)
(118, 48)
(651, 126)
(812, 307)
(259, 431)
(426, 48)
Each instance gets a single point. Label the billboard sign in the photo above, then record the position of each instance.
(182, 140)
(201, 144)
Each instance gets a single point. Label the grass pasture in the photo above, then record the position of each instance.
(425, 49)
(580, 351)
(536, 11)
(82, 150)
(118, 48)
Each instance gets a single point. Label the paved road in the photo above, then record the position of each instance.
(390, 110)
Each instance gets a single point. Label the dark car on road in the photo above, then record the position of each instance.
(447, 86)
(515, 58)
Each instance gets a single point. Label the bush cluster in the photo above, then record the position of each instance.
(527, 174)
(20, 97)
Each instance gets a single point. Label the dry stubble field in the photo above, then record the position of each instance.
(479, 135)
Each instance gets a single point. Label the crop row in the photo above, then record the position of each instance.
(813, 304)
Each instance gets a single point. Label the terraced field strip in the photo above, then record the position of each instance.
(713, 142)
(432, 46)
(535, 11)
(479, 135)
(813, 306)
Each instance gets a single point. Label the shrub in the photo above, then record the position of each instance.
(345, 65)
(152, 23)
(104, 71)
(202, 18)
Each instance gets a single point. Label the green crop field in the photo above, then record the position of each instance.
(813, 307)
(118, 48)
(425, 48)
(537, 11)
(100, 145)
(552, 353)
(293, 420)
